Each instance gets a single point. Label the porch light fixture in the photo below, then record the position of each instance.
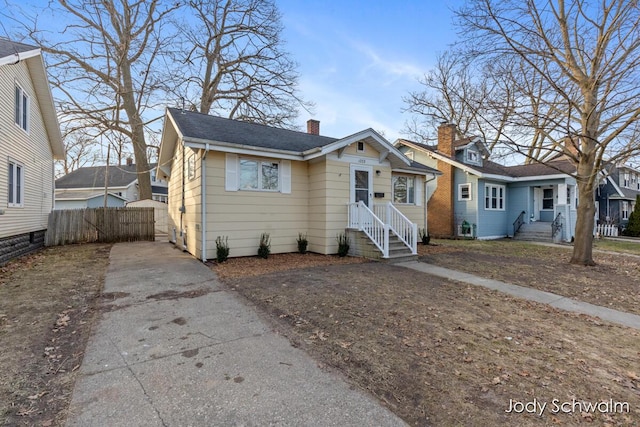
(378, 172)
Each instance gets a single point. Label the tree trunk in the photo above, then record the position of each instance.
(582, 247)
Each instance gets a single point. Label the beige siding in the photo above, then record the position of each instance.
(243, 216)
(185, 223)
(32, 150)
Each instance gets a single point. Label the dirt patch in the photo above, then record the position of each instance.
(255, 266)
(614, 282)
(443, 353)
(47, 306)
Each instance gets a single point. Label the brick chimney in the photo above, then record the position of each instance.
(313, 127)
(442, 201)
(446, 135)
(129, 161)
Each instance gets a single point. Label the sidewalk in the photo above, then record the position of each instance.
(174, 348)
(557, 301)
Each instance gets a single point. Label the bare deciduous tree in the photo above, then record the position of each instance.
(235, 63)
(576, 79)
(102, 65)
(80, 151)
(451, 92)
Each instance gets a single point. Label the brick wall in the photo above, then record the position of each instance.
(440, 220)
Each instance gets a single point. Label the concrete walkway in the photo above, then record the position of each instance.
(557, 301)
(174, 348)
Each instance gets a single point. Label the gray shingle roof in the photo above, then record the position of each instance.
(554, 167)
(93, 177)
(10, 48)
(217, 129)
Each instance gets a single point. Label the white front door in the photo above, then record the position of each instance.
(361, 184)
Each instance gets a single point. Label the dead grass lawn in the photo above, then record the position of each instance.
(442, 353)
(614, 282)
(47, 306)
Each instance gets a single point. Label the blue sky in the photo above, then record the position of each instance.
(359, 58)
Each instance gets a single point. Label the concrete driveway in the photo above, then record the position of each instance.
(173, 347)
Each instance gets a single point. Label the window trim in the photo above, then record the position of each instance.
(624, 210)
(358, 149)
(470, 195)
(552, 198)
(414, 190)
(473, 156)
(260, 162)
(22, 118)
(500, 197)
(17, 188)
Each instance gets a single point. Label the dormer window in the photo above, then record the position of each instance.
(472, 156)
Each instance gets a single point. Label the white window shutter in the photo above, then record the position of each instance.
(419, 190)
(285, 183)
(231, 172)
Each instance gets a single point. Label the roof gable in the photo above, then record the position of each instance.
(12, 53)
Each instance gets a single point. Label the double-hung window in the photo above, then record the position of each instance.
(259, 175)
(625, 210)
(494, 197)
(16, 185)
(464, 192)
(21, 108)
(404, 189)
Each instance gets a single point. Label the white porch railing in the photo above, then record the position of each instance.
(363, 219)
(401, 226)
(606, 230)
(378, 223)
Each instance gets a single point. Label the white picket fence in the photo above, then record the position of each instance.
(606, 230)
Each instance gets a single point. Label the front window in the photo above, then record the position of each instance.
(625, 179)
(404, 189)
(464, 192)
(625, 210)
(547, 198)
(494, 197)
(16, 185)
(259, 175)
(22, 109)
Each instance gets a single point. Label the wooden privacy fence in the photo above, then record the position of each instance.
(107, 225)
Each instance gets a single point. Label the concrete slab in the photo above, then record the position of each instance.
(163, 355)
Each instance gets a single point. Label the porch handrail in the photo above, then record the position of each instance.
(556, 225)
(362, 218)
(401, 226)
(518, 222)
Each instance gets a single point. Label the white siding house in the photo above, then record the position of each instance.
(30, 140)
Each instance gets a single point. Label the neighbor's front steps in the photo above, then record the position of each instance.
(537, 231)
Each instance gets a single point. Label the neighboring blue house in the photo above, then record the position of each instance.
(616, 194)
(480, 198)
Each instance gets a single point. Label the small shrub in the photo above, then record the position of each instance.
(302, 243)
(425, 238)
(265, 246)
(222, 248)
(633, 226)
(343, 244)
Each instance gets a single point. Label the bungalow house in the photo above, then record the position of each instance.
(476, 197)
(616, 194)
(237, 179)
(122, 181)
(30, 140)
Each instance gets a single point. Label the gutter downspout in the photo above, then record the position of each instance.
(203, 203)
